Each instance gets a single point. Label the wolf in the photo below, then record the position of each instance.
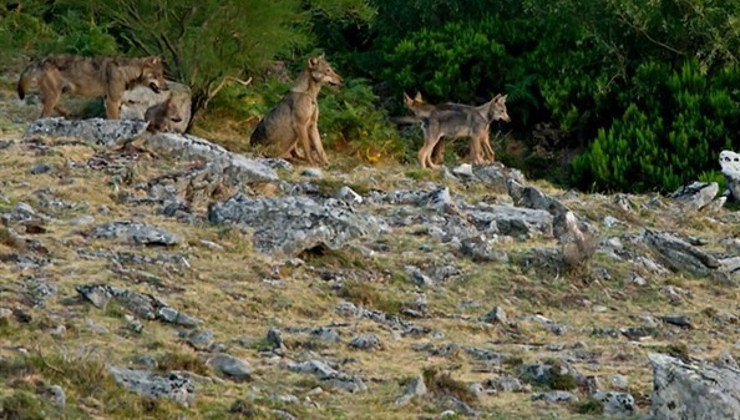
(456, 120)
(162, 116)
(106, 77)
(291, 127)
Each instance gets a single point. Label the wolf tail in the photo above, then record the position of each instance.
(24, 83)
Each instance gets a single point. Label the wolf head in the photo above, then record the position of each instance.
(321, 71)
(152, 74)
(498, 109)
(417, 105)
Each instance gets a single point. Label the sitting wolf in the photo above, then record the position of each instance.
(456, 120)
(106, 77)
(291, 127)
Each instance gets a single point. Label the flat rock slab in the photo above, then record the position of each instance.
(290, 225)
(136, 233)
(691, 389)
(98, 131)
(174, 386)
(680, 255)
(186, 147)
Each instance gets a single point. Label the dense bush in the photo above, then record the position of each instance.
(676, 124)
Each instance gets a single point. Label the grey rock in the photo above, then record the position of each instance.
(616, 403)
(56, 395)
(507, 384)
(174, 386)
(312, 173)
(611, 222)
(439, 199)
(39, 169)
(290, 225)
(326, 334)
(552, 326)
(98, 131)
(481, 250)
(463, 171)
(680, 255)
(329, 376)
(511, 221)
(692, 389)
(367, 342)
(136, 233)
(617, 381)
(136, 101)
(497, 176)
(497, 315)
(98, 295)
(730, 163)
(231, 366)
(543, 374)
(697, 195)
(95, 327)
(348, 195)
(415, 389)
(186, 147)
(555, 397)
(173, 316)
(198, 339)
(417, 277)
(679, 321)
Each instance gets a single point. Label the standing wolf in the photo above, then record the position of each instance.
(106, 77)
(456, 120)
(293, 123)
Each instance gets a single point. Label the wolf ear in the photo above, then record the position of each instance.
(500, 98)
(418, 97)
(407, 100)
(313, 61)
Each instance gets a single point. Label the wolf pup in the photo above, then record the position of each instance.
(291, 127)
(456, 120)
(162, 116)
(106, 77)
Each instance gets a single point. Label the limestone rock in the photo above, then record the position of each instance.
(291, 225)
(136, 233)
(98, 131)
(691, 389)
(696, 195)
(174, 386)
(730, 163)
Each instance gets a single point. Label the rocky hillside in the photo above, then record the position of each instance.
(166, 277)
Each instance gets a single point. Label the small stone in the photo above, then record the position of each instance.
(348, 195)
(616, 403)
(367, 342)
(199, 340)
(599, 309)
(617, 381)
(275, 339)
(211, 245)
(611, 222)
(555, 397)
(93, 326)
(637, 280)
(312, 173)
(39, 169)
(57, 396)
(497, 315)
(679, 321)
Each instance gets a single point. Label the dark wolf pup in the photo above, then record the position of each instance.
(106, 77)
(456, 120)
(292, 126)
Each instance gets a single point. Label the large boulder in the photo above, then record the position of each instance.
(730, 163)
(680, 255)
(136, 101)
(696, 195)
(185, 147)
(692, 389)
(291, 225)
(98, 131)
(511, 221)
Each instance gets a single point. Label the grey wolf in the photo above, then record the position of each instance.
(106, 77)
(456, 120)
(291, 127)
(162, 116)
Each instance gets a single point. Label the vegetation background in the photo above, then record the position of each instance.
(631, 95)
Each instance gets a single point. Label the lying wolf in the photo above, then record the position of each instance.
(162, 117)
(456, 120)
(106, 77)
(291, 127)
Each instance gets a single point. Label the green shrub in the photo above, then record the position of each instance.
(671, 133)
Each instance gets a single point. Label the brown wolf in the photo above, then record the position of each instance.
(106, 77)
(456, 120)
(291, 127)
(162, 116)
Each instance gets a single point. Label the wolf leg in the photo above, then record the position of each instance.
(318, 147)
(304, 142)
(438, 154)
(50, 93)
